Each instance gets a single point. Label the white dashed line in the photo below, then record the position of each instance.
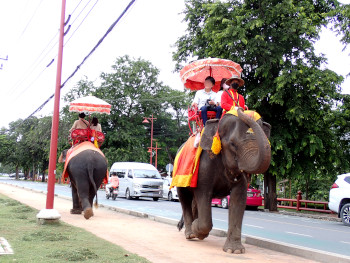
(253, 226)
(298, 234)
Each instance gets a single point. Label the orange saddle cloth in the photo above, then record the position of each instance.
(74, 151)
(185, 172)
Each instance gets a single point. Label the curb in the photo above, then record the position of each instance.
(307, 253)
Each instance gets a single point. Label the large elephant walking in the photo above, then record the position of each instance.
(245, 150)
(86, 171)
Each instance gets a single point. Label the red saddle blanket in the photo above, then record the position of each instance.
(74, 151)
(81, 135)
(185, 172)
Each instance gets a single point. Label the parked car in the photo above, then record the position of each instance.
(138, 180)
(20, 175)
(339, 198)
(171, 194)
(254, 199)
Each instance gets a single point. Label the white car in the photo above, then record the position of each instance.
(171, 195)
(339, 198)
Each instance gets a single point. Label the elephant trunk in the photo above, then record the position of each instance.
(255, 153)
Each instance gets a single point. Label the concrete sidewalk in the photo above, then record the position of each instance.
(153, 240)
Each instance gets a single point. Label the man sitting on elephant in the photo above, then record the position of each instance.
(205, 96)
(81, 123)
(230, 98)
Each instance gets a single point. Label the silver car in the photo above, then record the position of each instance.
(138, 180)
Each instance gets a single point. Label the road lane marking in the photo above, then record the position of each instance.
(345, 242)
(293, 224)
(220, 220)
(253, 226)
(298, 234)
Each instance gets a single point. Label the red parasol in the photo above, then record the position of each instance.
(194, 74)
(90, 104)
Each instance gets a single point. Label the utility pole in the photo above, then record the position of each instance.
(150, 149)
(50, 214)
(7, 58)
(156, 162)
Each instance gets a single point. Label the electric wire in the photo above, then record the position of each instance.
(30, 20)
(81, 23)
(36, 63)
(87, 56)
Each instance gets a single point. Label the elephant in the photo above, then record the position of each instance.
(244, 151)
(86, 172)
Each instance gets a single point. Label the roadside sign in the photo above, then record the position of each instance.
(169, 167)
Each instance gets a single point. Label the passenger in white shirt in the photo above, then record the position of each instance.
(207, 95)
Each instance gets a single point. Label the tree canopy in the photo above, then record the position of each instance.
(286, 81)
(135, 92)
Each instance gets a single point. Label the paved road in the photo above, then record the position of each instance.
(311, 233)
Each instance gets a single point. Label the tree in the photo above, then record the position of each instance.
(285, 80)
(134, 92)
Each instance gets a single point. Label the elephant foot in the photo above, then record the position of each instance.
(76, 211)
(189, 234)
(200, 233)
(88, 213)
(234, 248)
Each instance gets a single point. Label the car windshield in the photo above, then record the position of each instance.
(138, 173)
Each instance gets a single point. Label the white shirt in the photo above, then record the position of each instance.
(202, 96)
(218, 97)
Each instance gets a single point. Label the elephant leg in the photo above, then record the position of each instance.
(238, 199)
(203, 224)
(83, 187)
(77, 209)
(186, 197)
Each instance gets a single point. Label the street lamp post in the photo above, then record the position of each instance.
(147, 120)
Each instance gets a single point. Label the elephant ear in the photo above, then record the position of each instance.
(209, 131)
(267, 129)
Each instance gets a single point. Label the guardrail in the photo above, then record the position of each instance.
(299, 207)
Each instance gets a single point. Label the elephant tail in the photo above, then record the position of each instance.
(181, 223)
(91, 177)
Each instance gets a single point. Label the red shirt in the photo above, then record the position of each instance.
(114, 181)
(227, 103)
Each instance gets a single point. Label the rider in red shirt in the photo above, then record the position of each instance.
(114, 180)
(231, 98)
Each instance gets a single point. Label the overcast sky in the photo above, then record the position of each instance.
(28, 36)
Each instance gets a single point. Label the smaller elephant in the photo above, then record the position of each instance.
(86, 172)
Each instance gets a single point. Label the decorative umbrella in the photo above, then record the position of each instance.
(90, 104)
(193, 75)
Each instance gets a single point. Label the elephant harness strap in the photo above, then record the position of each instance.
(74, 151)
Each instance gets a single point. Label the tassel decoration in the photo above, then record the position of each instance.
(216, 145)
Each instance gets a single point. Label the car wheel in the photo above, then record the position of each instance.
(127, 194)
(224, 203)
(155, 199)
(345, 214)
(170, 196)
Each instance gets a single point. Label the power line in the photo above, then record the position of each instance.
(37, 62)
(88, 55)
(80, 23)
(30, 20)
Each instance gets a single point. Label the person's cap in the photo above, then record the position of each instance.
(230, 80)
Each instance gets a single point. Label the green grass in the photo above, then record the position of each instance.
(52, 243)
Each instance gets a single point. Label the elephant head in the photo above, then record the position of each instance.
(63, 156)
(243, 149)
